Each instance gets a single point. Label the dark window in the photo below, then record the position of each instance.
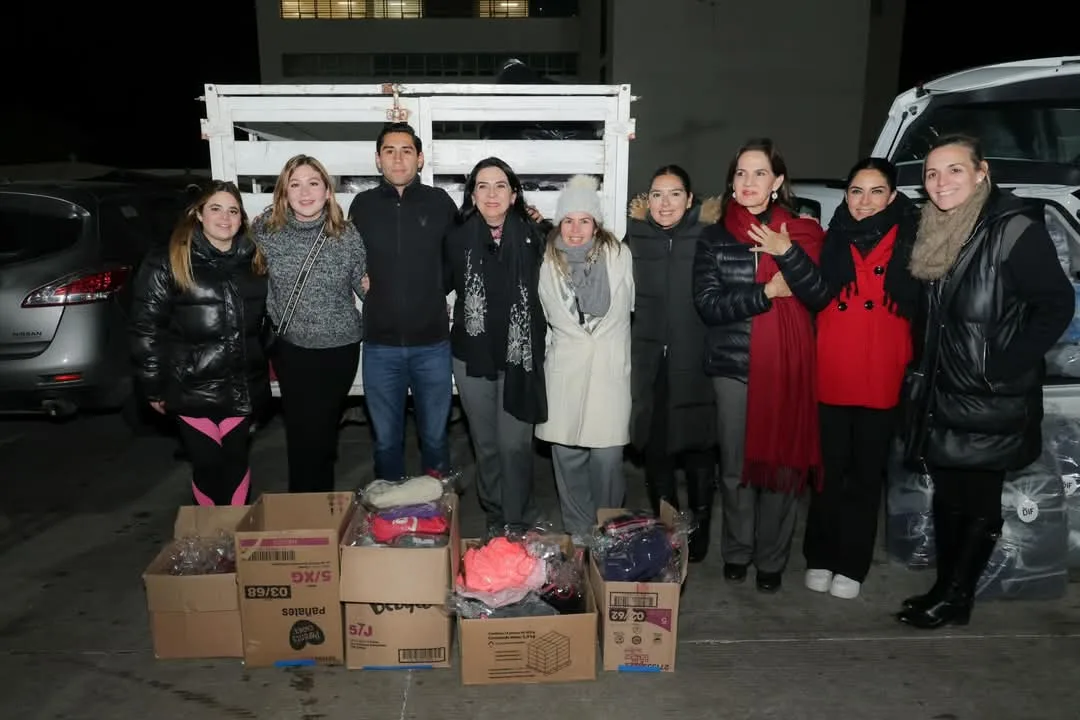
(33, 227)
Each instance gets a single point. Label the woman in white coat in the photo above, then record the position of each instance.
(587, 291)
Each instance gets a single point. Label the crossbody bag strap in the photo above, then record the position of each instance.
(301, 282)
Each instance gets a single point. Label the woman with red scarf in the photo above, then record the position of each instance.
(756, 283)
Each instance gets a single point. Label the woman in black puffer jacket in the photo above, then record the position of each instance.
(197, 316)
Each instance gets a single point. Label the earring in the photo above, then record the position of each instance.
(773, 194)
(733, 194)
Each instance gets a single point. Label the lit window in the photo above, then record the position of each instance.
(502, 8)
(346, 9)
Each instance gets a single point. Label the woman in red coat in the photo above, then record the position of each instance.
(864, 344)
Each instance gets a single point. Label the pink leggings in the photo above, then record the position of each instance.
(218, 449)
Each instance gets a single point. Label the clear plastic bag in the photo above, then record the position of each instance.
(909, 518)
(202, 555)
(637, 547)
(415, 512)
(1028, 562)
(512, 574)
(1062, 435)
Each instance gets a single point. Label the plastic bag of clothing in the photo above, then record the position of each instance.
(1062, 436)
(1028, 562)
(909, 520)
(637, 547)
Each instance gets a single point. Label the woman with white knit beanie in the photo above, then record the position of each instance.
(587, 291)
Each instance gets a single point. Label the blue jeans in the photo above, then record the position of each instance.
(389, 372)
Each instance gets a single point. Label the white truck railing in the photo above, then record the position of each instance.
(280, 121)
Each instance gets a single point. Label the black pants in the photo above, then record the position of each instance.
(699, 464)
(974, 493)
(218, 450)
(841, 528)
(314, 384)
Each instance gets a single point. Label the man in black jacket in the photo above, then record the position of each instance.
(406, 325)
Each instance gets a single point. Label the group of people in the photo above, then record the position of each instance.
(724, 333)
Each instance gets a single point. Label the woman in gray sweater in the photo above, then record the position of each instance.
(316, 263)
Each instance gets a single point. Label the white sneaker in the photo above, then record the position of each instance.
(844, 588)
(818, 580)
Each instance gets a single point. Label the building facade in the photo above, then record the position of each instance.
(817, 77)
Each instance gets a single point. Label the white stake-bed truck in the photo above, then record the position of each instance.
(252, 130)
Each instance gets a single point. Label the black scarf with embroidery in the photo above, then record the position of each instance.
(520, 249)
(845, 232)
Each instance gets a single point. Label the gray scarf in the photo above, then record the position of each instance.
(942, 233)
(588, 277)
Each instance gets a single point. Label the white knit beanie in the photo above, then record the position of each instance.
(579, 195)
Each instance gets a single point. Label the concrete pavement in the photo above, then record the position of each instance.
(84, 507)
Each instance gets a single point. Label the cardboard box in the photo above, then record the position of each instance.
(384, 636)
(195, 616)
(403, 576)
(287, 569)
(639, 622)
(549, 649)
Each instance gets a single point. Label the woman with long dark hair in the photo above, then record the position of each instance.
(864, 346)
(497, 340)
(196, 336)
(756, 283)
(673, 411)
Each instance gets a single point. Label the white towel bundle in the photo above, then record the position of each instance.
(383, 494)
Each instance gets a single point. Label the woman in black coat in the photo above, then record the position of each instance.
(196, 339)
(673, 410)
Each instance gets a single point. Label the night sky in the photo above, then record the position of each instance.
(111, 84)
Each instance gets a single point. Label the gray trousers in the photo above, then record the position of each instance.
(588, 479)
(758, 524)
(503, 448)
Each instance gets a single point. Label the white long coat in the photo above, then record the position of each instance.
(588, 374)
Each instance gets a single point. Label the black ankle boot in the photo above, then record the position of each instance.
(700, 492)
(948, 524)
(978, 537)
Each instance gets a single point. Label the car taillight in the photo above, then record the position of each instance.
(79, 288)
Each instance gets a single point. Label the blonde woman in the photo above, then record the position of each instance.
(587, 292)
(198, 310)
(317, 262)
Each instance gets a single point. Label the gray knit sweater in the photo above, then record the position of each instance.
(326, 315)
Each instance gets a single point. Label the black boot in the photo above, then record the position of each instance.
(978, 537)
(700, 492)
(660, 485)
(947, 526)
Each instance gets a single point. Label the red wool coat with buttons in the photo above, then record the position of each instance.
(862, 347)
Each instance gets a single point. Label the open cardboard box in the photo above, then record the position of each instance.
(639, 622)
(406, 576)
(288, 571)
(395, 600)
(195, 616)
(548, 649)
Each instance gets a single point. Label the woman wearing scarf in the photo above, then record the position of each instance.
(863, 349)
(997, 301)
(587, 290)
(497, 340)
(756, 283)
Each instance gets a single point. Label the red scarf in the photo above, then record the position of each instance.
(783, 448)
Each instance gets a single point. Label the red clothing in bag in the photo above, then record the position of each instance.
(384, 531)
